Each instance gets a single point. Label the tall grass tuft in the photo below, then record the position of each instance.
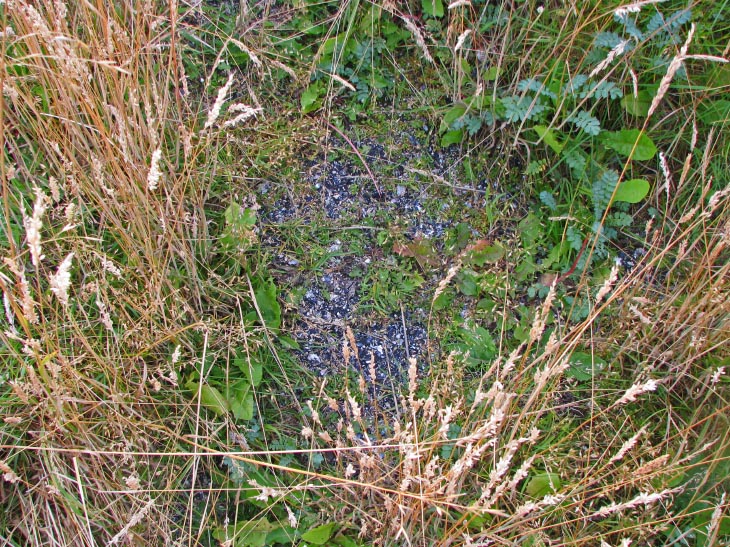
(100, 207)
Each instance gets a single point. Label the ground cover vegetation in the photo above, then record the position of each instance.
(364, 273)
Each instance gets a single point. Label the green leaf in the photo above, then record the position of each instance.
(585, 121)
(454, 112)
(344, 541)
(268, 305)
(491, 74)
(288, 342)
(632, 191)
(211, 398)
(530, 229)
(434, 8)
(583, 366)
(714, 112)
(452, 137)
(639, 105)
(253, 370)
(319, 535)
(247, 533)
(282, 535)
(240, 399)
(239, 232)
(549, 137)
(481, 252)
(630, 143)
(310, 99)
(242, 408)
(467, 284)
(543, 484)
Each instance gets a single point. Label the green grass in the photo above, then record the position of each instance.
(153, 385)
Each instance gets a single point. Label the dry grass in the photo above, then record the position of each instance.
(104, 175)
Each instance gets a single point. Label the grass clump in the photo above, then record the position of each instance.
(573, 389)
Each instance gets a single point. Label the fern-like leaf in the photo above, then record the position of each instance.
(522, 108)
(608, 40)
(604, 90)
(576, 161)
(659, 22)
(574, 238)
(603, 188)
(575, 84)
(532, 84)
(548, 200)
(585, 121)
(627, 19)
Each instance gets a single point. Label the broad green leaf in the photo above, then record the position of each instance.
(319, 535)
(491, 74)
(543, 484)
(631, 191)
(455, 112)
(213, 400)
(467, 284)
(253, 370)
(288, 342)
(481, 252)
(549, 137)
(269, 306)
(242, 409)
(344, 541)
(240, 399)
(530, 229)
(282, 535)
(434, 8)
(583, 366)
(310, 99)
(336, 43)
(714, 112)
(631, 143)
(247, 533)
(639, 105)
(452, 137)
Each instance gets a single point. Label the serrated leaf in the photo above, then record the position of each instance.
(319, 535)
(421, 249)
(632, 191)
(630, 143)
(549, 137)
(530, 229)
(586, 122)
(434, 8)
(548, 200)
(576, 160)
(543, 484)
(454, 112)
